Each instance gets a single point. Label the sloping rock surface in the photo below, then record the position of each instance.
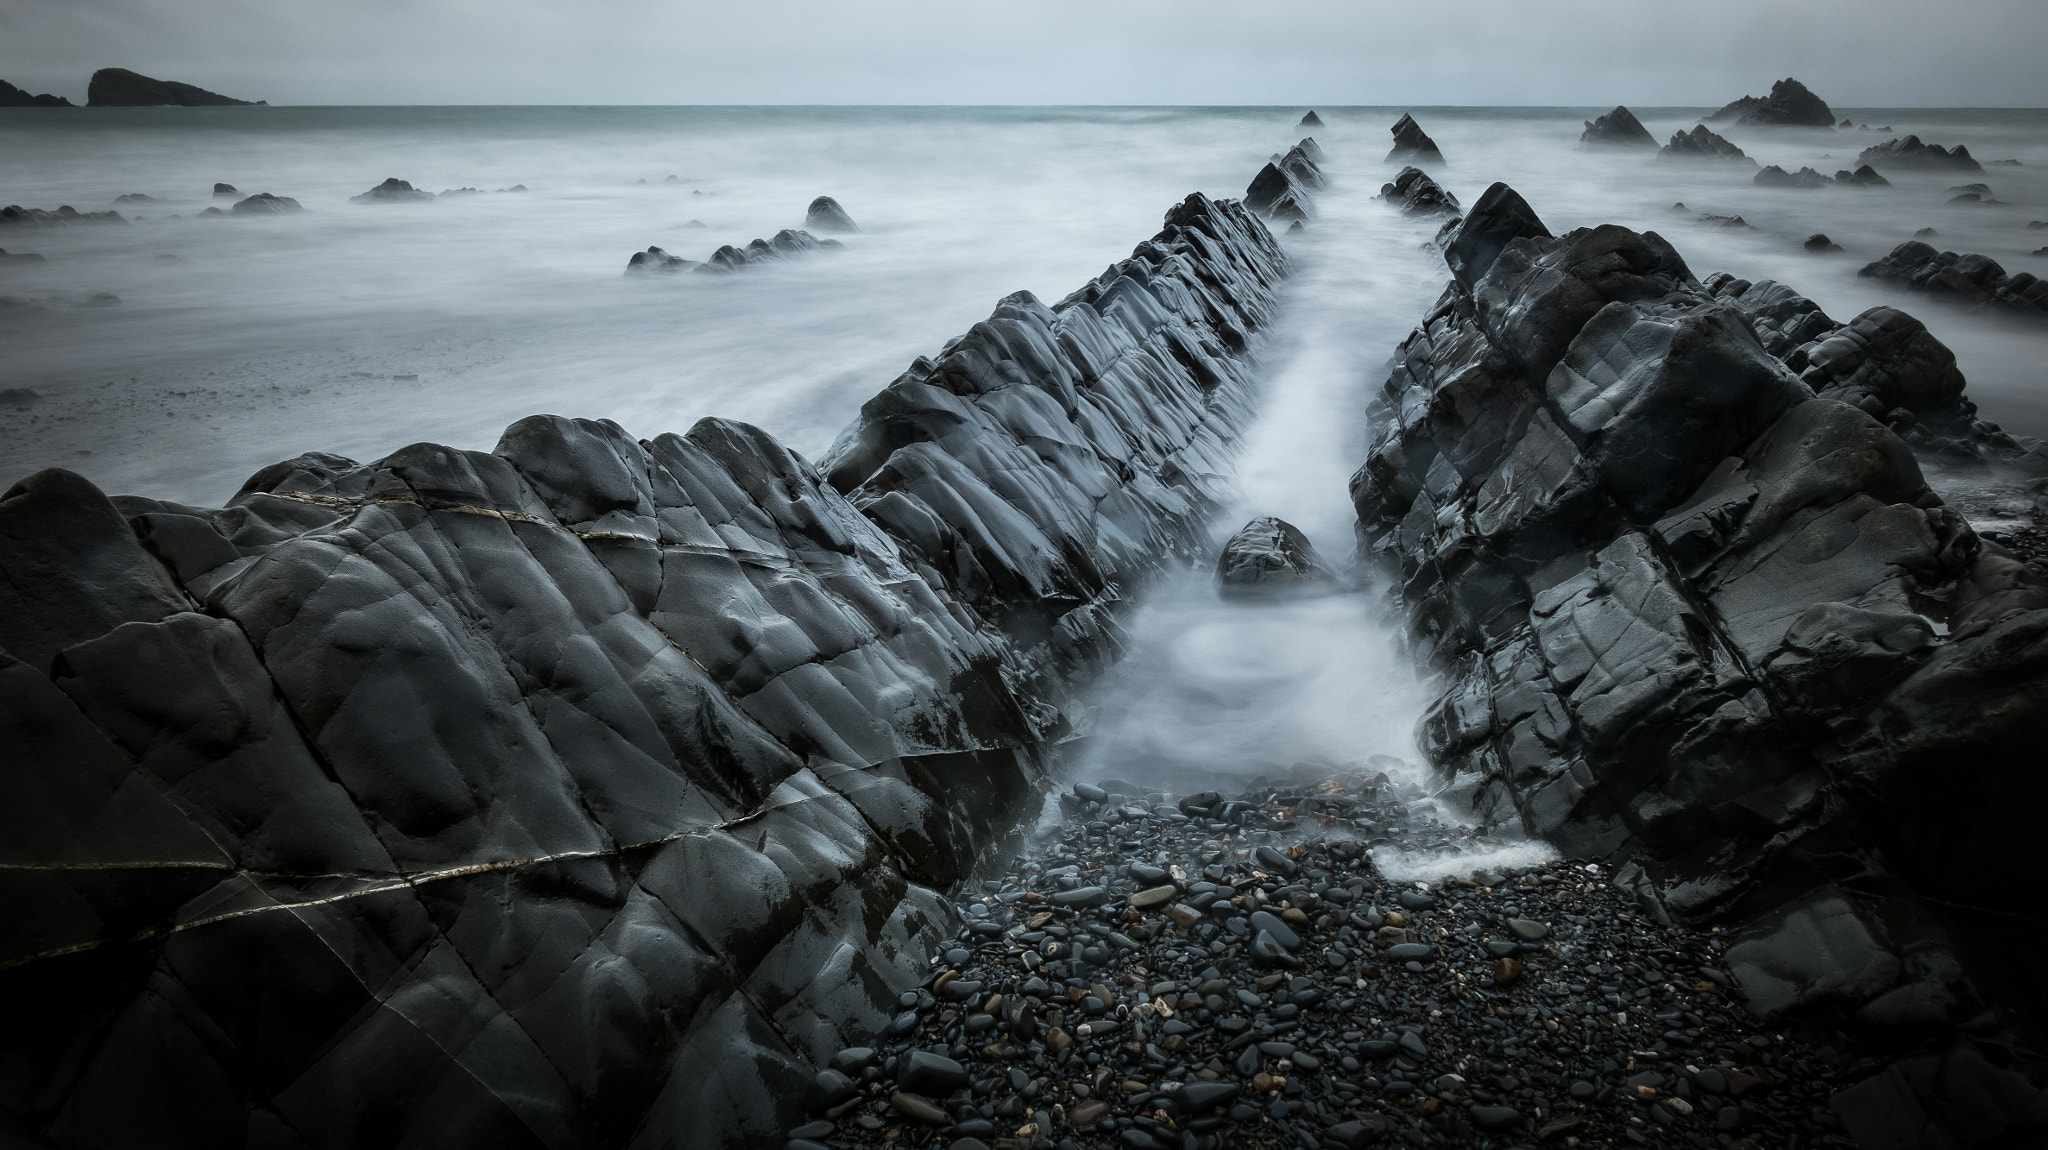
(1790, 104)
(1412, 145)
(1417, 195)
(1284, 189)
(1618, 128)
(582, 792)
(13, 97)
(1695, 606)
(120, 88)
(1910, 153)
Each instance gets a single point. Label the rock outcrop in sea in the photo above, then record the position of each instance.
(1702, 144)
(728, 258)
(1972, 279)
(1416, 194)
(13, 97)
(394, 191)
(1697, 610)
(1790, 104)
(1412, 145)
(825, 215)
(120, 88)
(1777, 177)
(63, 215)
(1284, 188)
(1269, 558)
(591, 790)
(1311, 120)
(1618, 128)
(1910, 154)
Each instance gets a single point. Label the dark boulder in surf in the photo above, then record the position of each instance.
(1416, 194)
(825, 215)
(265, 204)
(1618, 128)
(1311, 120)
(1790, 104)
(1412, 145)
(394, 191)
(1910, 154)
(1269, 558)
(1701, 144)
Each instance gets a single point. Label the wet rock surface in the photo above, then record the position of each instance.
(1284, 190)
(1696, 607)
(1972, 279)
(1790, 104)
(1412, 145)
(1415, 194)
(784, 244)
(1271, 558)
(394, 191)
(1910, 154)
(1618, 128)
(590, 791)
(1702, 144)
(1252, 978)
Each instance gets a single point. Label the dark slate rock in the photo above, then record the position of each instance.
(1416, 194)
(930, 1075)
(1790, 104)
(1618, 128)
(1909, 154)
(1412, 145)
(13, 97)
(825, 215)
(265, 204)
(1311, 120)
(1777, 177)
(1270, 558)
(120, 88)
(393, 191)
(1971, 279)
(1702, 144)
(1499, 218)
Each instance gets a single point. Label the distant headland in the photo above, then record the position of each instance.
(121, 88)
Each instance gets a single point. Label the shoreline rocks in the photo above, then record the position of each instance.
(785, 243)
(120, 88)
(1718, 633)
(1790, 104)
(825, 215)
(1975, 280)
(468, 731)
(1618, 128)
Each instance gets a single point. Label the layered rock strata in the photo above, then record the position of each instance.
(1696, 607)
(1972, 279)
(1702, 144)
(584, 791)
(1284, 189)
(1618, 128)
(1415, 194)
(728, 258)
(1910, 153)
(1790, 104)
(1412, 145)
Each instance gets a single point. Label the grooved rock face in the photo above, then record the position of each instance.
(587, 791)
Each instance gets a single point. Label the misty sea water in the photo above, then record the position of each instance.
(357, 329)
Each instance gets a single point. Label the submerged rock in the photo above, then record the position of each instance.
(1819, 242)
(1910, 153)
(120, 88)
(1412, 145)
(1271, 558)
(1790, 104)
(825, 215)
(393, 191)
(1864, 176)
(7, 257)
(16, 216)
(225, 190)
(1618, 128)
(785, 243)
(1417, 195)
(1702, 144)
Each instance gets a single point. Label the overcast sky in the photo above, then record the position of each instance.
(1855, 53)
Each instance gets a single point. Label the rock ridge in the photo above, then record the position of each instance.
(380, 802)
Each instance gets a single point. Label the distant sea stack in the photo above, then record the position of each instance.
(13, 97)
(1311, 120)
(1618, 128)
(1789, 105)
(1412, 145)
(120, 88)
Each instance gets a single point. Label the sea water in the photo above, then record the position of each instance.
(357, 329)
